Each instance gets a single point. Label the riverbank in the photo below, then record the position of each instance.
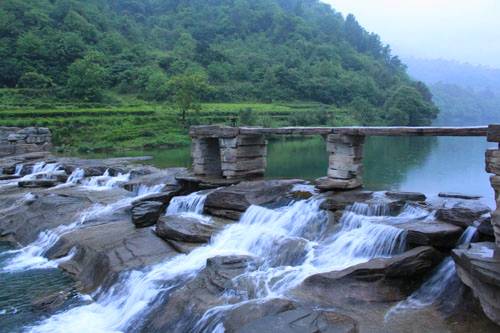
(245, 258)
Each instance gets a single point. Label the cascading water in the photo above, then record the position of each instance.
(32, 255)
(290, 241)
(432, 290)
(76, 176)
(106, 181)
(192, 203)
(19, 169)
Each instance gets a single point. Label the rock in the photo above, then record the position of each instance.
(22, 220)
(162, 197)
(406, 196)
(484, 226)
(46, 183)
(478, 266)
(434, 233)
(330, 184)
(182, 309)
(184, 229)
(51, 302)
(105, 250)
(378, 280)
(166, 177)
(461, 212)
(232, 201)
(340, 200)
(302, 321)
(458, 196)
(146, 213)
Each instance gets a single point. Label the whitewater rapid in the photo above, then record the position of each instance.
(261, 232)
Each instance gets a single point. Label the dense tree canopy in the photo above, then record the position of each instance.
(260, 50)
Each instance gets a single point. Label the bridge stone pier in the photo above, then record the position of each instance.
(241, 152)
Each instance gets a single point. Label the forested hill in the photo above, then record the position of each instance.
(465, 94)
(225, 50)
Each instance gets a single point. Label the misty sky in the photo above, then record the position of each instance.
(467, 31)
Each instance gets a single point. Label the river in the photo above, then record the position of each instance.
(424, 164)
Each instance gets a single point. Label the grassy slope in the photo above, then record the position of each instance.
(135, 124)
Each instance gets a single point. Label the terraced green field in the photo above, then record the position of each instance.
(94, 128)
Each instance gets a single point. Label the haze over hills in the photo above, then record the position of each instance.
(225, 50)
(465, 94)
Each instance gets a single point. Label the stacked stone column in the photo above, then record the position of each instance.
(345, 167)
(222, 152)
(493, 166)
(205, 153)
(243, 156)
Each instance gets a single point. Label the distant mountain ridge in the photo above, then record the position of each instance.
(433, 71)
(465, 94)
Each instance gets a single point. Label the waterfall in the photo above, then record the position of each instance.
(32, 255)
(19, 169)
(76, 176)
(106, 181)
(290, 241)
(192, 203)
(440, 280)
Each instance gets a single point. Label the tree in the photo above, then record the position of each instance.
(86, 78)
(187, 90)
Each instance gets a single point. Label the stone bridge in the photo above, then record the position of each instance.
(240, 152)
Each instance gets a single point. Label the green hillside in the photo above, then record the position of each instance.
(60, 54)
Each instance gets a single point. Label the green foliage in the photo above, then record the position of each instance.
(250, 50)
(247, 117)
(86, 78)
(188, 90)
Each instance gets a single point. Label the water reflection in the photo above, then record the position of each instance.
(425, 164)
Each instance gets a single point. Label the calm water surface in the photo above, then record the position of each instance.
(425, 164)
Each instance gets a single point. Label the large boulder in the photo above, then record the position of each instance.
(378, 280)
(232, 201)
(478, 266)
(182, 309)
(340, 200)
(302, 321)
(104, 250)
(184, 228)
(146, 213)
(29, 213)
(434, 233)
(461, 212)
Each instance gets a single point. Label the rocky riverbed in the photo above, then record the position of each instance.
(148, 250)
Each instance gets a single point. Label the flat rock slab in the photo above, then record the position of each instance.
(22, 220)
(302, 321)
(461, 212)
(434, 233)
(146, 213)
(184, 229)
(330, 184)
(406, 196)
(166, 177)
(458, 196)
(478, 266)
(378, 280)
(232, 201)
(45, 183)
(340, 200)
(106, 249)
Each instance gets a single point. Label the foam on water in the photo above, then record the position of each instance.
(273, 235)
(105, 181)
(192, 203)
